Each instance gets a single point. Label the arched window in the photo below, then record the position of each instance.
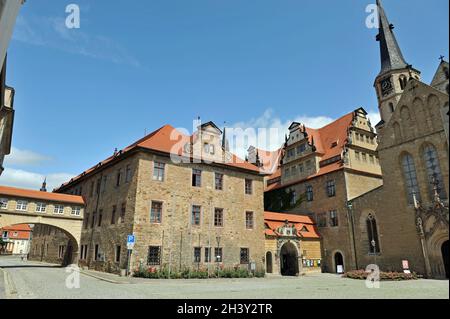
(434, 172)
(391, 107)
(409, 171)
(372, 234)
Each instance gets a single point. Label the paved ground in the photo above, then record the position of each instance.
(39, 280)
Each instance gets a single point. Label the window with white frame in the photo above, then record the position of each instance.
(41, 207)
(59, 209)
(159, 171)
(22, 205)
(3, 203)
(76, 211)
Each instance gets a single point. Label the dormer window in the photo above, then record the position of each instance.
(209, 148)
(334, 144)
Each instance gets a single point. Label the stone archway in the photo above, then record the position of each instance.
(338, 262)
(269, 262)
(289, 260)
(446, 258)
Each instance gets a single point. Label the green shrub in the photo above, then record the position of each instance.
(384, 276)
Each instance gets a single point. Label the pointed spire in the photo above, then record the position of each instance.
(258, 160)
(44, 186)
(391, 55)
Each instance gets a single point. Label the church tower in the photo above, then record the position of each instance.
(395, 72)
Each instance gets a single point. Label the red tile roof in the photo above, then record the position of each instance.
(22, 231)
(167, 140)
(274, 221)
(44, 196)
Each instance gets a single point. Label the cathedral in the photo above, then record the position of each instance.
(378, 194)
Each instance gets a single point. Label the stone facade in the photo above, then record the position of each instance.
(133, 196)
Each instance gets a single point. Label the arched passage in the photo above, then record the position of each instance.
(338, 263)
(289, 260)
(446, 258)
(269, 262)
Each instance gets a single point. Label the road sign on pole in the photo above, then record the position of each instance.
(130, 241)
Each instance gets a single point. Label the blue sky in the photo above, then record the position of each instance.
(134, 66)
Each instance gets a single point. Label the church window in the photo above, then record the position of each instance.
(372, 234)
(435, 178)
(409, 171)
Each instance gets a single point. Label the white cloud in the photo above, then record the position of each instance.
(374, 117)
(52, 32)
(25, 179)
(275, 129)
(24, 157)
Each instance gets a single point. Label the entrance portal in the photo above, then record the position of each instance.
(339, 263)
(289, 260)
(269, 269)
(446, 257)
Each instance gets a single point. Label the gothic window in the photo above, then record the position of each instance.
(372, 234)
(435, 177)
(409, 171)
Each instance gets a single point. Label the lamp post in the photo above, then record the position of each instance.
(374, 246)
(352, 224)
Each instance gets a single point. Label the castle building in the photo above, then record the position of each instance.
(16, 239)
(190, 203)
(404, 223)
(318, 173)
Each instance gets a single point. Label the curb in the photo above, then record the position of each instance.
(102, 278)
(10, 288)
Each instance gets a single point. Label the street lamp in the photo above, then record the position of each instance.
(374, 245)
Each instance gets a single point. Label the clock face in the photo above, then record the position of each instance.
(386, 86)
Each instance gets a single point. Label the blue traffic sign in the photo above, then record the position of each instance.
(131, 239)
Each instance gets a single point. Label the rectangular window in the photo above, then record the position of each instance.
(331, 188)
(249, 223)
(358, 156)
(244, 256)
(156, 213)
(197, 254)
(76, 211)
(309, 193)
(196, 215)
(159, 171)
(248, 186)
(334, 222)
(93, 220)
(41, 207)
(219, 181)
(123, 209)
(128, 174)
(154, 256)
(113, 215)
(322, 220)
(118, 177)
(22, 205)
(364, 157)
(196, 178)
(118, 250)
(301, 168)
(218, 254)
(301, 149)
(207, 254)
(3, 203)
(372, 159)
(96, 252)
(59, 209)
(100, 217)
(218, 217)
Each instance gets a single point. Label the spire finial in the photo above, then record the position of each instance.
(391, 54)
(44, 185)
